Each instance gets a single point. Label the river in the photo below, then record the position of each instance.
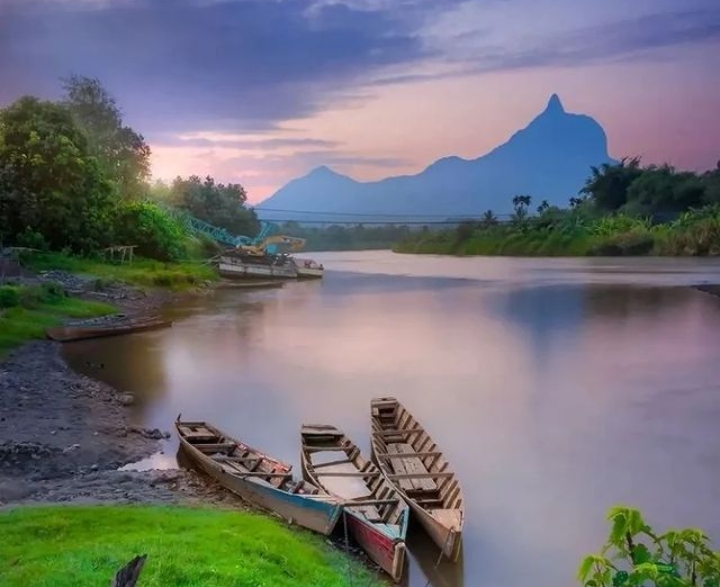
(556, 388)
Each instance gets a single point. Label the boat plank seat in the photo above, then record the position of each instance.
(370, 512)
(411, 465)
(216, 447)
(448, 518)
(198, 434)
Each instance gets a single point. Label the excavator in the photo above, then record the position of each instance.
(270, 245)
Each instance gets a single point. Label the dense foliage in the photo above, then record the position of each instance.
(624, 209)
(147, 225)
(122, 152)
(216, 203)
(50, 183)
(635, 556)
(74, 177)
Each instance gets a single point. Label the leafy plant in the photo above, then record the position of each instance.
(635, 556)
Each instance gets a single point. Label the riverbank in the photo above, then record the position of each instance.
(575, 233)
(63, 436)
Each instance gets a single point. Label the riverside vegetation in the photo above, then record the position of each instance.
(623, 209)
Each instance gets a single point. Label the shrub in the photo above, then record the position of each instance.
(151, 229)
(9, 297)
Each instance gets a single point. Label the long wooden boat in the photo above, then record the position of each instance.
(257, 477)
(80, 332)
(375, 513)
(409, 458)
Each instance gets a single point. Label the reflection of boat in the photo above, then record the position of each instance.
(308, 268)
(411, 461)
(440, 572)
(375, 513)
(258, 478)
(105, 327)
(239, 264)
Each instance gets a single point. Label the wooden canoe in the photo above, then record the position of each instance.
(258, 478)
(70, 333)
(375, 513)
(409, 458)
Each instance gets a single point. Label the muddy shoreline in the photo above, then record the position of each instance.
(63, 436)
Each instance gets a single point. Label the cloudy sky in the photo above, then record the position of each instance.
(261, 91)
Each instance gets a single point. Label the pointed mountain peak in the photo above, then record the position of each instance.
(555, 105)
(323, 170)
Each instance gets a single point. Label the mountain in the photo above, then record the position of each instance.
(549, 159)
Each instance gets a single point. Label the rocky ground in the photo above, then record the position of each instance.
(63, 436)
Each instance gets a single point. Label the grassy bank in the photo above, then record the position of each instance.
(576, 233)
(141, 272)
(84, 546)
(25, 312)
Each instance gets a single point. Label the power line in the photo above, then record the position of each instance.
(382, 222)
(368, 214)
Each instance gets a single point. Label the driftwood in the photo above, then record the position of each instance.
(128, 576)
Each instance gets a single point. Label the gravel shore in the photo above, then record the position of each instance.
(63, 436)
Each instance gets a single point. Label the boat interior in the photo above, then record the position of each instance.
(339, 466)
(241, 460)
(414, 462)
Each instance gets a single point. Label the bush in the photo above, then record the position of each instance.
(155, 233)
(9, 297)
(32, 239)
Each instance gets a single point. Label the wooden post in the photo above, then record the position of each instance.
(128, 576)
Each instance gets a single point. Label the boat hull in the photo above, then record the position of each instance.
(308, 269)
(447, 540)
(389, 553)
(71, 333)
(235, 268)
(309, 273)
(315, 514)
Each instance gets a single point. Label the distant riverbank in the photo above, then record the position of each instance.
(570, 234)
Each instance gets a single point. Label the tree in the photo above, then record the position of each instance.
(123, 153)
(635, 556)
(662, 190)
(543, 207)
(49, 181)
(220, 205)
(521, 205)
(489, 219)
(608, 185)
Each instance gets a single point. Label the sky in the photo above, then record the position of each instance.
(259, 92)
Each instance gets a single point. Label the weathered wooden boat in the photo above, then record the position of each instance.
(257, 477)
(409, 458)
(308, 268)
(106, 328)
(239, 264)
(375, 513)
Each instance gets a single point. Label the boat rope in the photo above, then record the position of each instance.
(451, 533)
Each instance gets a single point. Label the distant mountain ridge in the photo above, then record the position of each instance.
(549, 159)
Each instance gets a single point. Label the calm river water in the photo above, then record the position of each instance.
(556, 388)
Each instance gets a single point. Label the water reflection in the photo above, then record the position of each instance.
(555, 389)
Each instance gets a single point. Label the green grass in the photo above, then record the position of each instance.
(70, 546)
(142, 272)
(25, 312)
